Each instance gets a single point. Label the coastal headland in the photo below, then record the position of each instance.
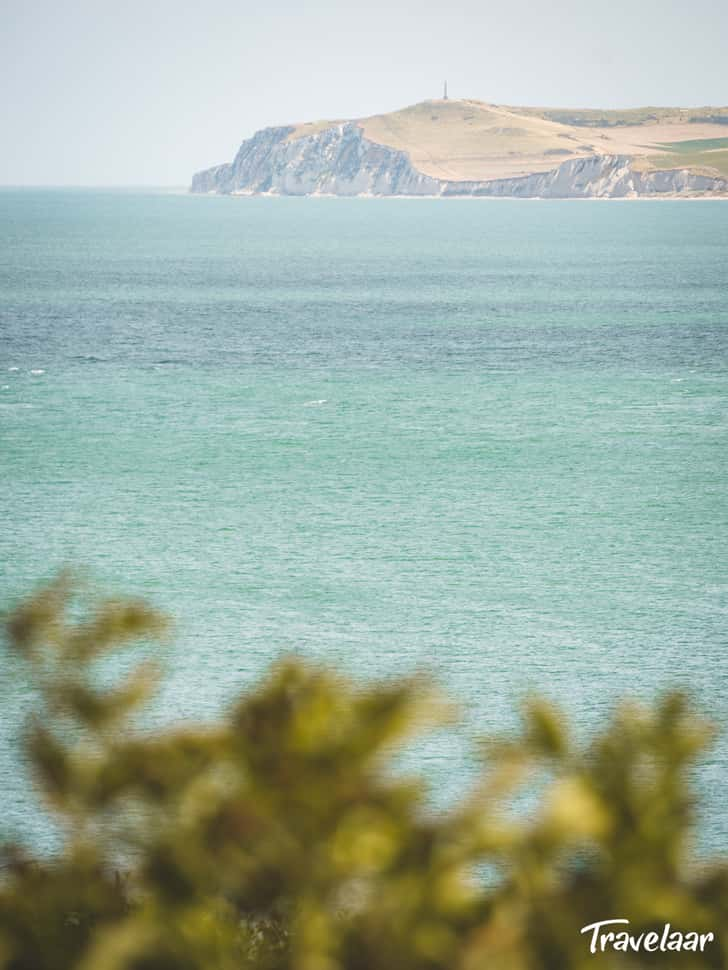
(468, 148)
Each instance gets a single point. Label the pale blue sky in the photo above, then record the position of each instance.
(132, 92)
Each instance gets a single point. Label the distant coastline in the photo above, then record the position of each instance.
(468, 149)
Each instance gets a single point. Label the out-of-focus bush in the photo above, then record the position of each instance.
(279, 838)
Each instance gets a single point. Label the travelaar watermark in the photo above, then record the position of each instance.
(651, 942)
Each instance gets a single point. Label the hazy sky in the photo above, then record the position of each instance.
(131, 92)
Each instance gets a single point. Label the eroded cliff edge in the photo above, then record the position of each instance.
(336, 161)
(340, 161)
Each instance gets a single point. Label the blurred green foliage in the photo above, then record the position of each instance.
(280, 838)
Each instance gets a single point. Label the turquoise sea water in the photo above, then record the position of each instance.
(487, 438)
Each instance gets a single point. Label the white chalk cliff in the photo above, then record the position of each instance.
(340, 161)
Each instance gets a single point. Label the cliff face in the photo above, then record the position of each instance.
(596, 177)
(341, 161)
(337, 161)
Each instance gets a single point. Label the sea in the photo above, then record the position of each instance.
(482, 439)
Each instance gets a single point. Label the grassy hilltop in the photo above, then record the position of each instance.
(472, 140)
